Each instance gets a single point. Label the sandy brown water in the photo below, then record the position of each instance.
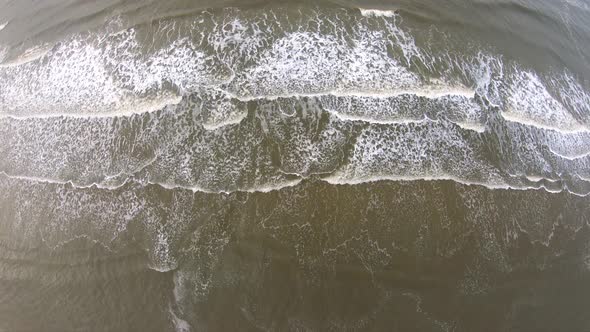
(294, 166)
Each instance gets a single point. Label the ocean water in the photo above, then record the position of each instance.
(335, 165)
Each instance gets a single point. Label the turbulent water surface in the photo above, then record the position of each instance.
(295, 166)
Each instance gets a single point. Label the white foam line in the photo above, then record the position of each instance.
(29, 55)
(76, 237)
(513, 117)
(60, 182)
(194, 189)
(346, 117)
(161, 270)
(80, 186)
(174, 100)
(147, 108)
(3, 25)
(234, 121)
(180, 325)
(426, 93)
(333, 180)
(353, 118)
(534, 178)
(479, 128)
(336, 181)
(377, 12)
(571, 157)
(473, 126)
(262, 189)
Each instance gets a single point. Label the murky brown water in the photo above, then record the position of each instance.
(294, 166)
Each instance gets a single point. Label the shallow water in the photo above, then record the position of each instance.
(256, 165)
